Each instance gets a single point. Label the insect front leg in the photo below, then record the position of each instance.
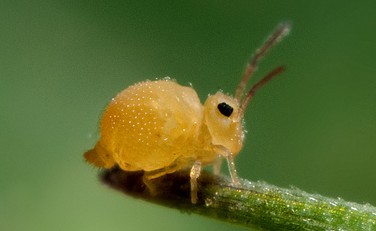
(232, 169)
(231, 163)
(194, 174)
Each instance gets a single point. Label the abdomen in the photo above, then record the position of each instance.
(150, 125)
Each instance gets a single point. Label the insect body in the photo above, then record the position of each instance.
(160, 126)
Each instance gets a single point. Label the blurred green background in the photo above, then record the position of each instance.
(61, 61)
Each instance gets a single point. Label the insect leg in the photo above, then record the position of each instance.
(194, 174)
(149, 176)
(151, 187)
(232, 169)
(217, 166)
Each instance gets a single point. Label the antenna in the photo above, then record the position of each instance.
(278, 34)
(257, 86)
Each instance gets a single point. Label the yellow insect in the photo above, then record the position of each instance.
(160, 127)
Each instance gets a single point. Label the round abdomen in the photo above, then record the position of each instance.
(151, 124)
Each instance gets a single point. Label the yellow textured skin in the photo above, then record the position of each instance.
(161, 126)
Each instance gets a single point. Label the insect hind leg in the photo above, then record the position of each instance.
(152, 186)
(151, 175)
(194, 174)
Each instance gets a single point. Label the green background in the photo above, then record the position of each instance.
(61, 62)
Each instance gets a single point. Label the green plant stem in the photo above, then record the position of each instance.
(255, 204)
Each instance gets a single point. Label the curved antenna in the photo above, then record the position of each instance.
(278, 34)
(257, 86)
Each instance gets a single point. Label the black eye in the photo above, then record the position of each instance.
(225, 109)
